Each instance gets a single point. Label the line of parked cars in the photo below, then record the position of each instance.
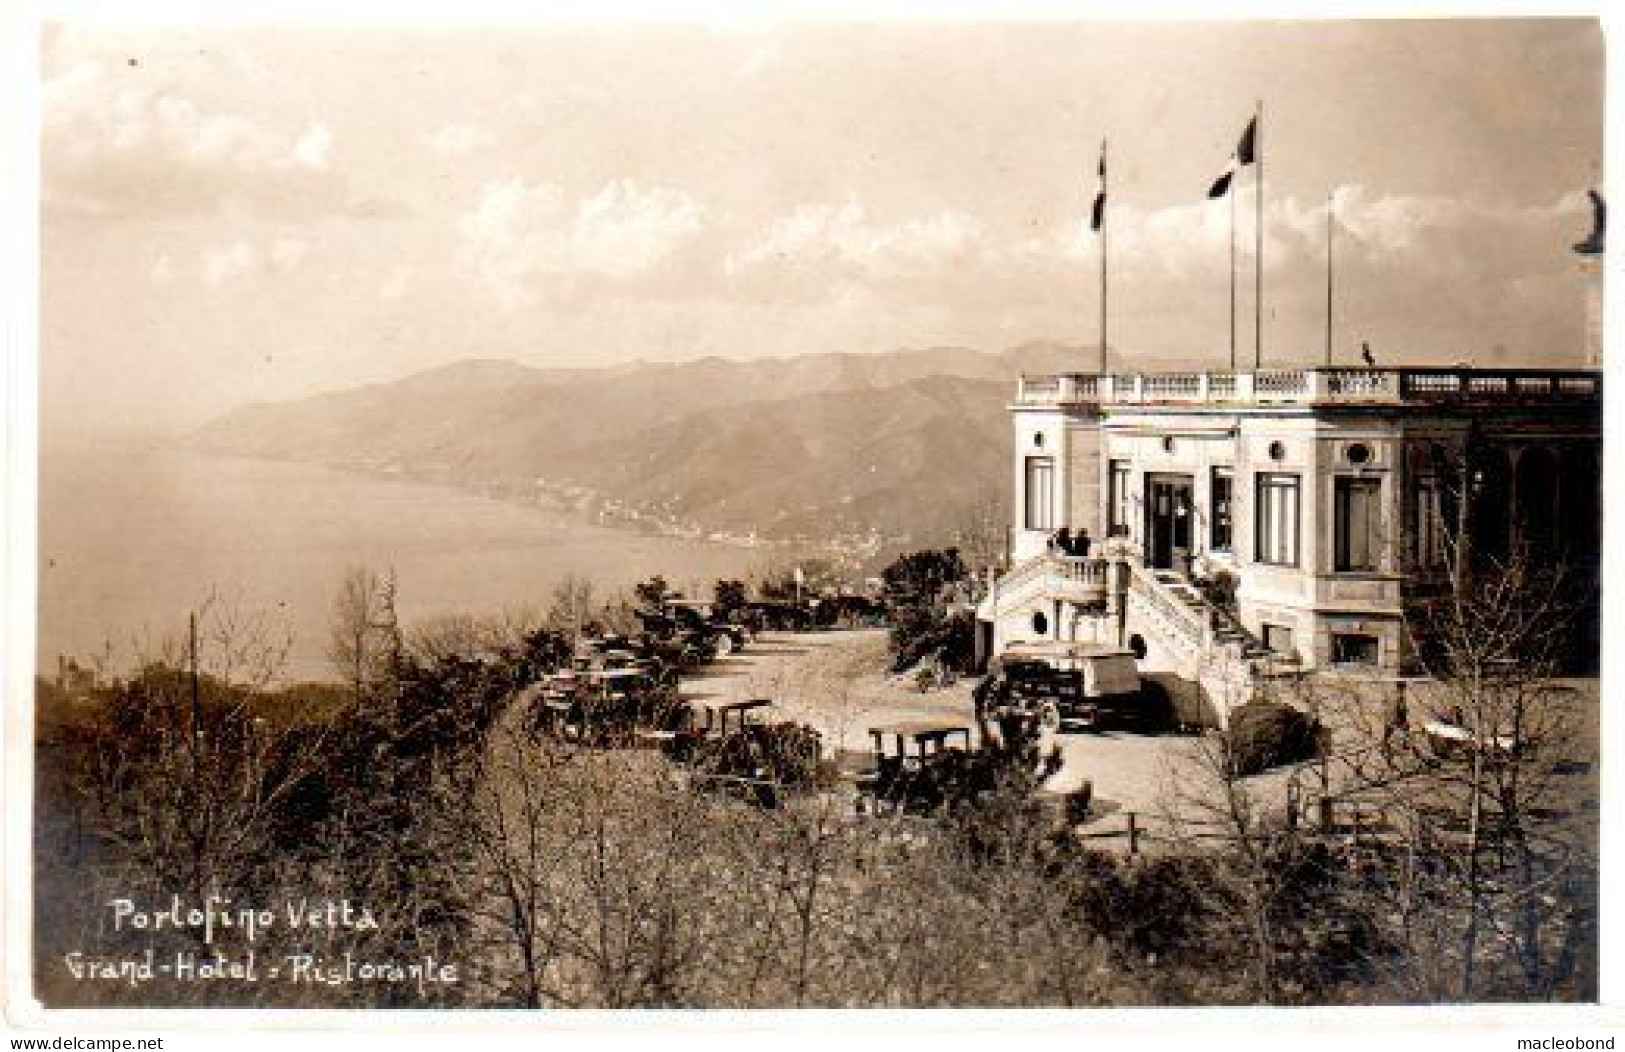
(623, 691)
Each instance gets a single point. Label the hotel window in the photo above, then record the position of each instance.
(1119, 506)
(1040, 493)
(1357, 514)
(1276, 513)
(1349, 648)
(1278, 638)
(1223, 494)
(1430, 522)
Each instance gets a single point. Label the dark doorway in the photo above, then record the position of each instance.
(1580, 500)
(1491, 514)
(1168, 520)
(1537, 490)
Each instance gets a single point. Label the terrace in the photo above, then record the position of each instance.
(1317, 385)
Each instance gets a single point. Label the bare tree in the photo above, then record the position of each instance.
(809, 851)
(1216, 807)
(1459, 800)
(188, 764)
(365, 635)
(982, 535)
(1494, 773)
(501, 804)
(571, 606)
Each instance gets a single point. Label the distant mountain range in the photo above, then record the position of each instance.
(892, 449)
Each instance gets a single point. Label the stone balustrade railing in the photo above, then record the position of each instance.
(1081, 570)
(1314, 385)
(1180, 619)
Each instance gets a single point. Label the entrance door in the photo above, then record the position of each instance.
(1168, 525)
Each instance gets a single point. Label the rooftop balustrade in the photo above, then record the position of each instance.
(1315, 386)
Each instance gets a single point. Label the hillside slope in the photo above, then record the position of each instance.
(904, 444)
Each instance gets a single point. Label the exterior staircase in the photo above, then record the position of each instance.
(1223, 627)
(1199, 652)
(1214, 662)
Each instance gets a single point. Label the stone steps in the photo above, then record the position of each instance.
(1224, 631)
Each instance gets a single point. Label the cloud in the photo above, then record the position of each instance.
(828, 247)
(396, 285)
(518, 235)
(460, 139)
(313, 147)
(1417, 272)
(121, 145)
(1413, 235)
(1423, 263)
(1430, 276)
(287, 252)
(220, 265)
(763, 56)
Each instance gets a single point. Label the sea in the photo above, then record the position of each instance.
(136, 531)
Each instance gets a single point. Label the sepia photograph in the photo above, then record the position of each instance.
(969, 512)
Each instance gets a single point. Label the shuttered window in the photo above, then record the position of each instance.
(1119, 506)
(1040, 493)
(1223, 487)
(1357, 513)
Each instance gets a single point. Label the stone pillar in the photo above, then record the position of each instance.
(1591, 267)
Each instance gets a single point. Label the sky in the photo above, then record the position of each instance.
(240, 213)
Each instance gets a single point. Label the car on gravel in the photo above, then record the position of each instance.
(1083, 686)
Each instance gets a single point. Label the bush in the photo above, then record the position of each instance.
(1158, 904)
(952, 639)
(786, 754)
(1265, 734)
(916, 592)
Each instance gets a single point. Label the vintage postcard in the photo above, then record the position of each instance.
(976, 513)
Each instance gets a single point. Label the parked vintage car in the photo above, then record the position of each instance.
(1448, 739)
(926, 766)
(697, 639)
(916, 764)
(738, 748)
(700, 616)
(601, 706)
(1087, 686)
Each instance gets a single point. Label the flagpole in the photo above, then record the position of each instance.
(1104, 209)
(1258, 251)
(1232, 281)
(1328, 280)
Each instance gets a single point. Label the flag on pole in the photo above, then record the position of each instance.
(1098, 216)
(1245, 154)
(1593, 244)
(1244, 149)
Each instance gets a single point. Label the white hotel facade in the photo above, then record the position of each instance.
(1324, 498)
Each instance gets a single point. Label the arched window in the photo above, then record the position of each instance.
(1537, 502)
(1489, 480)
(1579, 494)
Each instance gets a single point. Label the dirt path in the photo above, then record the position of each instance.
(835, 681)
